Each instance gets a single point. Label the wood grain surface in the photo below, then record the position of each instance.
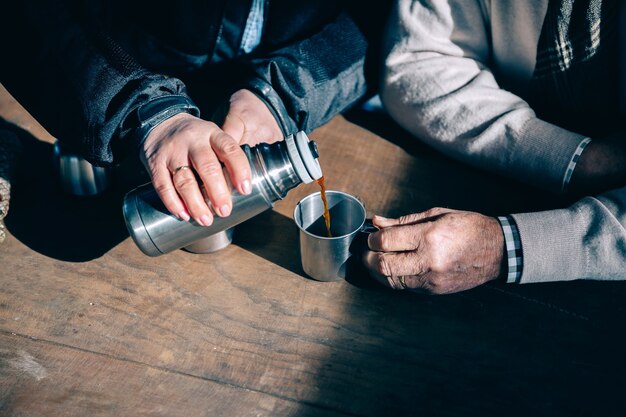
(91, 326)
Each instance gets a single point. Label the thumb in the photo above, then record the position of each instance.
(381, 222)
(234, 126)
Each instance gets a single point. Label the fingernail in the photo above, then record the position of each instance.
(206, 220)
(225, 210)
(184, 216)
(246, 187)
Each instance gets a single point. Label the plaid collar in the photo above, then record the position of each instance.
(572, 34)
(574, 84)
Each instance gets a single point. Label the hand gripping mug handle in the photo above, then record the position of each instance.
(368, 227)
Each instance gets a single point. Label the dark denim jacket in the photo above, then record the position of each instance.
(82, 67)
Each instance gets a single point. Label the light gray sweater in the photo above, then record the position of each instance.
(438, 86)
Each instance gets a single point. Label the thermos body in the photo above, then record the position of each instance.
(276, 169)
(156, 231)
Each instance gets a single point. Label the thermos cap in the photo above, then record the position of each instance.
(304, 162)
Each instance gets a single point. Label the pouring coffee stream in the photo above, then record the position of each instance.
(325, 201)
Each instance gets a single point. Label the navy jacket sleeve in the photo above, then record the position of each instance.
(74, 78)
(308, 82)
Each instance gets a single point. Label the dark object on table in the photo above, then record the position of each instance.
(10, 149)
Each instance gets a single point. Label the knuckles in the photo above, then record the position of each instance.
(209, 169)
(229, 147)
(380, 240)
(185, 183)
(435, 211)
(191, 129)
(438, 242)
(187, 128)
(382, 264)
(161, 188)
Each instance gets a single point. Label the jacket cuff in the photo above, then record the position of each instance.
(272, 100)
(142, 119)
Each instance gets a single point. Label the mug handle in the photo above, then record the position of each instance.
(359, 243)
(368, 227)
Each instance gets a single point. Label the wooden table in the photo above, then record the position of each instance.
(91, 326)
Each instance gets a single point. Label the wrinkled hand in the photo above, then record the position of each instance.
(440, 250)
(184, 140)
(248, 120)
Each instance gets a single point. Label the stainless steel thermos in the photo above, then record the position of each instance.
(276, 169)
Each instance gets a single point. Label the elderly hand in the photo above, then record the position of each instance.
(249, 121)
(183, 146)
(440, 250)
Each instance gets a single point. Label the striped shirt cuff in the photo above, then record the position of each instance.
(253, 31)
(572, 163)
(513, 249)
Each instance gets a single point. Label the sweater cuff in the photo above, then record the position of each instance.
(544, 153)
(551, 246)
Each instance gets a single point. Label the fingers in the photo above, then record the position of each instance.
(449, 252)
(188, 189)
(176, 185)
(230, 153)
(206, 156)
(201, 147)
(405, 233)
(397, 239)
(390, 282)
(163, 185)
(402, 271)
(390, 264)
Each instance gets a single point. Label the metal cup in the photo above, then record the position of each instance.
(77, 176)
(213, 243)
(326, 258)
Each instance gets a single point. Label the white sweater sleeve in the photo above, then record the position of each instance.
(437, 85)
(584, 241)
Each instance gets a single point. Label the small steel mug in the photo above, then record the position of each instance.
(77, 176)
(326, 258)
(213, 243)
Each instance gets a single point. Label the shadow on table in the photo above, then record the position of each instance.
(487, 352)
(265, 236)
(63, 227)
(542, 350)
